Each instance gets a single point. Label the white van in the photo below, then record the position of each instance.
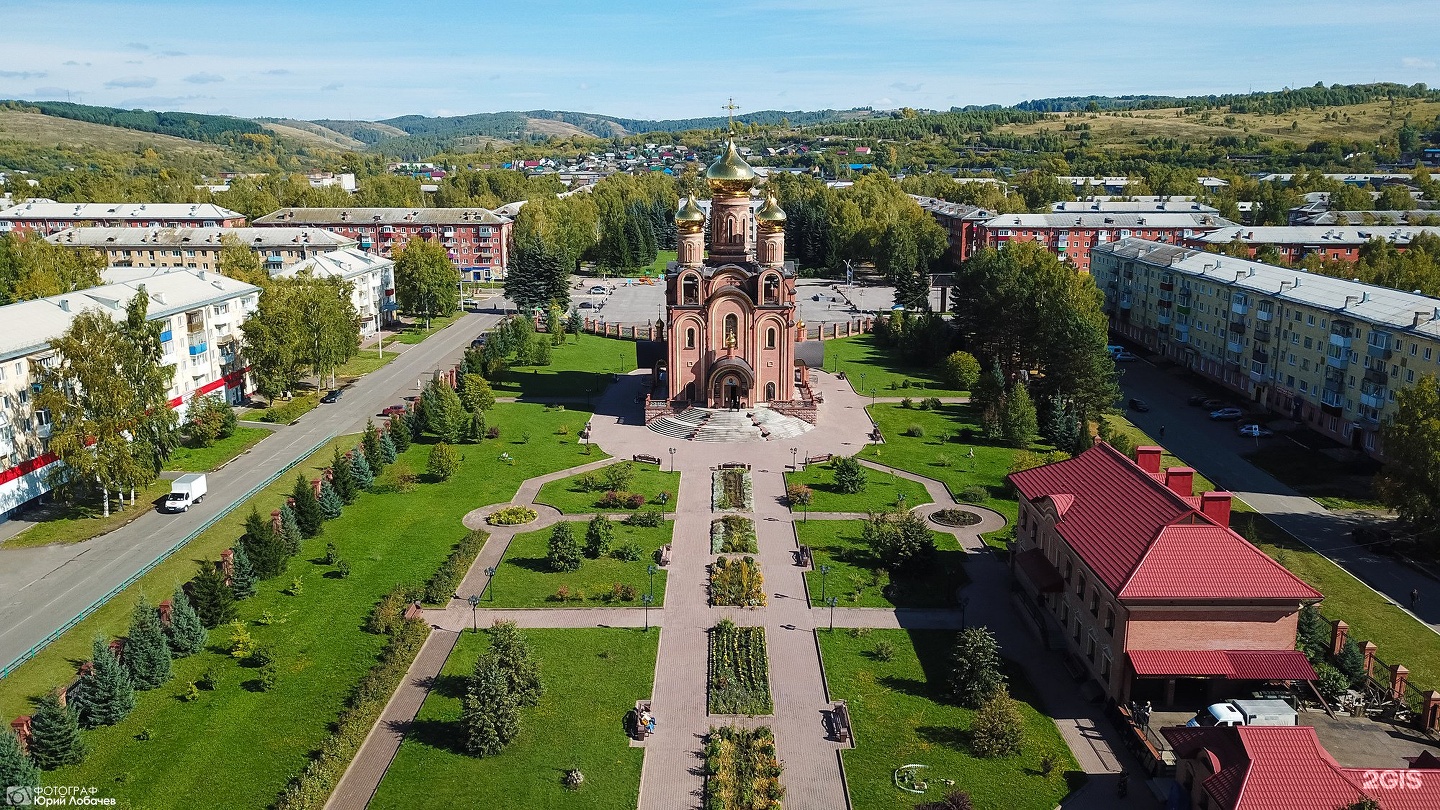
(186, 490)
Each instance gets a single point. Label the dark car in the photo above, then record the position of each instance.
(332, 397)
(1139, 405)
(1226, 414)
(479, 342)
(393, 410)
(1213, 404)
(1197, 399)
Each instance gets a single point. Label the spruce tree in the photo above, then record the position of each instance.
(147, 658)
(242, 573)
(488, 711)
(598, 536)
(976, 676)
(564, 553)
(185, 635)
(517, 663)
(371, 442)
(360, 468)
(214, 602)
(307, 509)
(388, 451)
(342, 477)
(264, 550)
(16, 769)
(105, 695)
(55, 735)
(289, 531)
(330, 504)
(476, 429)
(399, 432)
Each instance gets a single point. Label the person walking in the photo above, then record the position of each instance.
(1162, 431)
(1414, 599)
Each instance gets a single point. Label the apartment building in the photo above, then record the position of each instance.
(200, 311)
(1296, 242)
(959, 221)
(1133, 205)
(371, 279)
(477, 240)
(199, 248)
(1071, 236)
(1327, 352)
(46, 217)
(1145, 585)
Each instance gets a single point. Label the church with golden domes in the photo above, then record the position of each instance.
(730, 324)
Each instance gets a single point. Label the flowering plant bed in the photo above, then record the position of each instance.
(731, 489)
(955, 517)
(511, 516)
(739, 672)
(741, 770)
(737, 581)
(733, 534)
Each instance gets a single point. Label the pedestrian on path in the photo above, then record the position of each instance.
(1414, 599)
(1122, 788)
(1162, 431)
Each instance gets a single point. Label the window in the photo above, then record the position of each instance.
(1069, 569)
(1090, 648)
(1105, 665)
(690, 338)
(1110, 621)
(1080, 586)
(770, 338)
(1095, 602)
(769, 392)
(732, 329)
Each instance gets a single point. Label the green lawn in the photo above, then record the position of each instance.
(649, 481)
(882, 491)
(204, 459)
(856, 578)
(579, 367)
(882, 372)
(364, 362)
(416, 331)
(265, 737)
(524, 580)
(592, 677)
(900, 717)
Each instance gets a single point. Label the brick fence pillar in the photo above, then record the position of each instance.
(1369, 649)
(21, 727)
(117, 649)
(1398, 675)
(164, 609)
(275, 521)
(1338, 635)
(61, 692)
(1431, 719)
(315, 485)
(227, 565)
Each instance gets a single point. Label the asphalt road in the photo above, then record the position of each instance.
(1216, 448)
(43, 588)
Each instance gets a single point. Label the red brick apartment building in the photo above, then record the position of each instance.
(47, 217)
(476, 239)
(1070, 236)
(959, 221)
(1144, 583)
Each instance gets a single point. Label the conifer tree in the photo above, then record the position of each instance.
(242, 573)
(488, 710)
(185, 635)
(517, 663)
(214, 602)
(289, 531)
(400, 432)
(598, 536)
(1017, 418)
(342, 477)
(265, 551)
(371, 442)
(307, 509)
(564, 553)
(360, 468)
(55, 735)
(16, 769)
(476, 429)
(105, 694)
(330, 504)
(388, 451)
(977, 675)
(147, 658)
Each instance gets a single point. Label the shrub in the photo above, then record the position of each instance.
(342, 568)
(799, 495)
(635, 500)
(511, 516)
(211, 679)
(387, 615)
(902, 541)
(447, 578)
(269, 677)
(618, 476)
(884, 651)
(599, 533)
(492, 432)
(622, 592)
(562, 594)
(998, 729)
(190, 693)
(403, 477)
(849, 475)
(261, 656)
(915, 430)
(974, 494)
(1331, 682)
(648, 518)
(960, 371)
(954, 800)
(588, 482)
(292, 410)
(443, 462)
(564, 552)
(907, 403)
(931, 404)
(627, 552)
(209, 418)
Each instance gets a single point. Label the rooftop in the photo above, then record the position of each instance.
(342, 263)
(1320, 235)
(49, 209)
(1109, 220)
(190, 237)
(381, 216)
(1158, 206)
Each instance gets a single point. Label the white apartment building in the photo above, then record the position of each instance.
(47, 216)
(199, 248)
(200, 312)
(371, 278)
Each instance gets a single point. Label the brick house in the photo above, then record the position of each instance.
(1145, 585)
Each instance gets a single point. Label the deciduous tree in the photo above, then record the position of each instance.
(241, 263)
(426, 282)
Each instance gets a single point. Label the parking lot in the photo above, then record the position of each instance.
(1354, 742)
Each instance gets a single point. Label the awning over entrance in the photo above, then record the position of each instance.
(1242, 665)
(1044, 576)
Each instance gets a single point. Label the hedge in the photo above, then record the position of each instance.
(292, 410)
(448, 576)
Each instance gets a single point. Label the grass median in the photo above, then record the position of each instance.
(525, 580)
(570, 497)
(857, 579)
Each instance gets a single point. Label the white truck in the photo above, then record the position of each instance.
(186, 490)
(1246, 713)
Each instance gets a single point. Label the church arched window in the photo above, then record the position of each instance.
(770, 392)
(732, 329)
(690, 338)
(770, 338)
(732, 229)
(690, 290)
(770, 289)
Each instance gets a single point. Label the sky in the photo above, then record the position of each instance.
(659, 59)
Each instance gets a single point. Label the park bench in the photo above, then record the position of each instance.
(876, 436)
(820, 459)
(641, 707)
(665, 555)
(734, 465)
(803, 557)
(840, 721)
(646, 458)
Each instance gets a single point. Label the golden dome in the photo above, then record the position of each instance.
(690, 217)
(770, 216)
(730, 172)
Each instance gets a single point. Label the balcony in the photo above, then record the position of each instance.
(1166, 297)
(1184, 295)
(1238, 327)
(1125, 302)
(1335, 362)
(1240, 309)
(1235, 346)
(1377, 376)
(199, 348)
(166, 335)
(1182, 309)
(1332, 399)
(1163, 318)
(1260, 356)
(1343, 341)
(1262, 336)
(1374, 400)
(1258, 372)
(1381, 351)
(1167, 286)
(1264, 315)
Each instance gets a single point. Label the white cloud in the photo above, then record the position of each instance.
(132, 81)
(204, 78)
(22, 74)
(332, 87)
(1416, 63)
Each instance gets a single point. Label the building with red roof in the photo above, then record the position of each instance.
(1147, 586)
(1286, 768)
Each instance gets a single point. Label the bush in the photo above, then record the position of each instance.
(511, 516)
(954, 800)
(402, 477)
(931, 404)
(915, 430)
(849, 475)
(443, 462)
(447, 578)
(269, 677)
(599, 533)
(1331, 682)
(974, 494)
(292, 410)
(588, 482)
(627, 552)
(493, 432)
(960, 371)
(209, 418)
(618, 476)
(622, 592)
(907, 403)
(884, 651)
(635, 501)
(998, 729)
(902, 541)
(799, 495)
(389, 612)
(261, 656)
(564, 551)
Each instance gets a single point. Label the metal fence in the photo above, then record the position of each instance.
(94, 606)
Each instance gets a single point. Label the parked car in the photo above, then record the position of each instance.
(598, 290)
(1123, 356)
(332, 397)
(587, 305)
(479, 342)
(1139, 405)
(1226, 414)
(1253, 430)
(1213, 404)
(1197, 399)
(1245, 713)
(393, 410)
(1114, 349)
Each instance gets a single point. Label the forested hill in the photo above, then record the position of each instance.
(192, 126)
(1266, 102)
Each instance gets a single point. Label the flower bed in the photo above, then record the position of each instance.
(739, 673)
(955, 517)
(741, 770)
(511, 516)
(733, 534)
(732, 490)
(737, 582)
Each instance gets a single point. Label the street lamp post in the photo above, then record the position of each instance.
(793, 462)
(474, 617)
(964, 603)
(833, 600)
(862, 381)
(824, 575)
(652, 570)
(672, 459)
(490, 574)
(647, 599)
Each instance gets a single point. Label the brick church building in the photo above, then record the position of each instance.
(731, 332)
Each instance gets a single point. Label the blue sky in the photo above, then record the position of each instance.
(660, 59)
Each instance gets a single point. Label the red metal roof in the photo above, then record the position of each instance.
(1244, 665)
(1115, 515)
(1204, 561)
